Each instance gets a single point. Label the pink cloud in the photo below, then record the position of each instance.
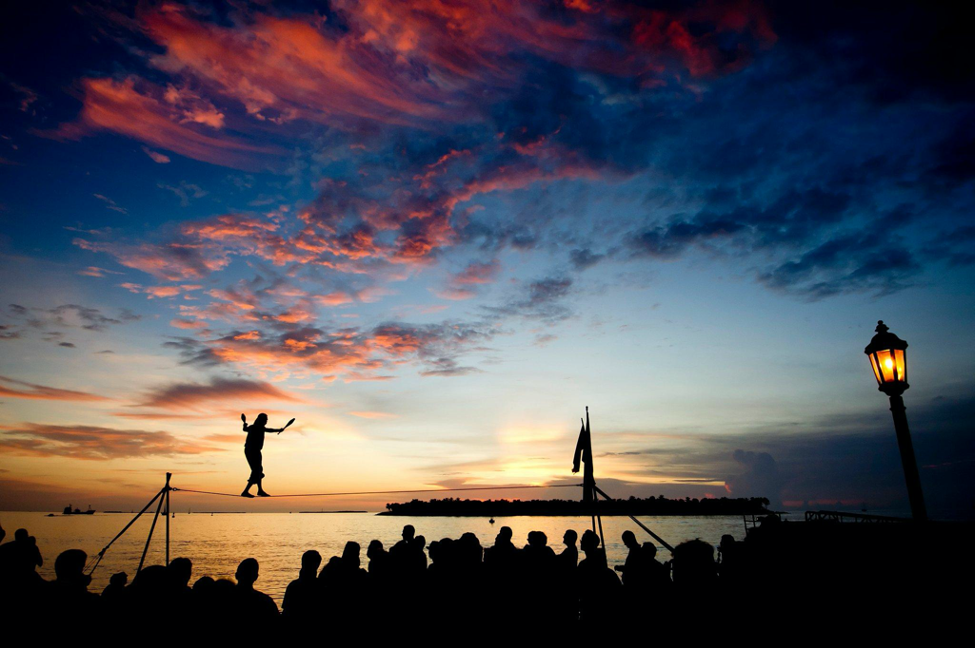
(156, 156)
(120, 106)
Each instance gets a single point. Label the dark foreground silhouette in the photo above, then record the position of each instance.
(785, 586)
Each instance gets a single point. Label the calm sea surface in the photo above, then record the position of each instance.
(216, 543)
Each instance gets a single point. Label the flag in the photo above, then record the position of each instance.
(583, 447)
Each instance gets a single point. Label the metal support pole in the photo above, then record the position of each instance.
(150, 536)
(169, 515)
(643, 527)
(600, 527)
(909, 467)
(121, 532)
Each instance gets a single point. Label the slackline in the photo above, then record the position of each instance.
(343, 494)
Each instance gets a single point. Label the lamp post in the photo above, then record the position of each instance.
(887, 353)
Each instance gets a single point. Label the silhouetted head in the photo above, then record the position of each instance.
(311, 561)
(448, 546)
(223, 590)
(589, 542)
(261, 420)
(504, 535)
(693, 564)
(726, 541)
(152, 579)
(649, 549)
(419, 543)
(536, 539)
(204, 585)
(570, 538)
(629, 540)
(333, 566)
(180, 570)
(247, 572)
(20, 535)
(470, 548)
(70, 568)
(351, 554)
(119, 579)
(408, 533)
(375, 549)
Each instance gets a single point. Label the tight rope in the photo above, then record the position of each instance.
(343, 494)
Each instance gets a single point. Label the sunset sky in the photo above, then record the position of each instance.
(434, 231)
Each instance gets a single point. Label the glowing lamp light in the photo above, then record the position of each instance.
(887, 353)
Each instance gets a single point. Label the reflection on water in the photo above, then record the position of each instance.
(216, 543)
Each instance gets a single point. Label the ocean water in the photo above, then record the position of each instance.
(217, 543)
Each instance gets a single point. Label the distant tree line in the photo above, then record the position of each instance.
(559, 507)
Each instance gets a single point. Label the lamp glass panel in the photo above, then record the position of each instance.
(887, 365)
(900, 361)
(875, 368)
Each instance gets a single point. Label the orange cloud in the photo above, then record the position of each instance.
(286, 68)
(172, 262)
(37, 391)
(119, 106)
(92, 443)
(189, 324)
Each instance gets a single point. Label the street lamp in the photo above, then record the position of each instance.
(887, 353)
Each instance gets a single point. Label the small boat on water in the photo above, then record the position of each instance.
(77, 511)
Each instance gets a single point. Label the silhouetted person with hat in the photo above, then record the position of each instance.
(253, 445)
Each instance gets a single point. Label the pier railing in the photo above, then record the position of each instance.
(852, 517)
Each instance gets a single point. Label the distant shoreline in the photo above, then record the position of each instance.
(652, 507)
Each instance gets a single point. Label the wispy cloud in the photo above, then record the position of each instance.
(39, 392)
(193, 396)
(92, 443)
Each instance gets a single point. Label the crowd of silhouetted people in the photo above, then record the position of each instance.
(447, 586)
